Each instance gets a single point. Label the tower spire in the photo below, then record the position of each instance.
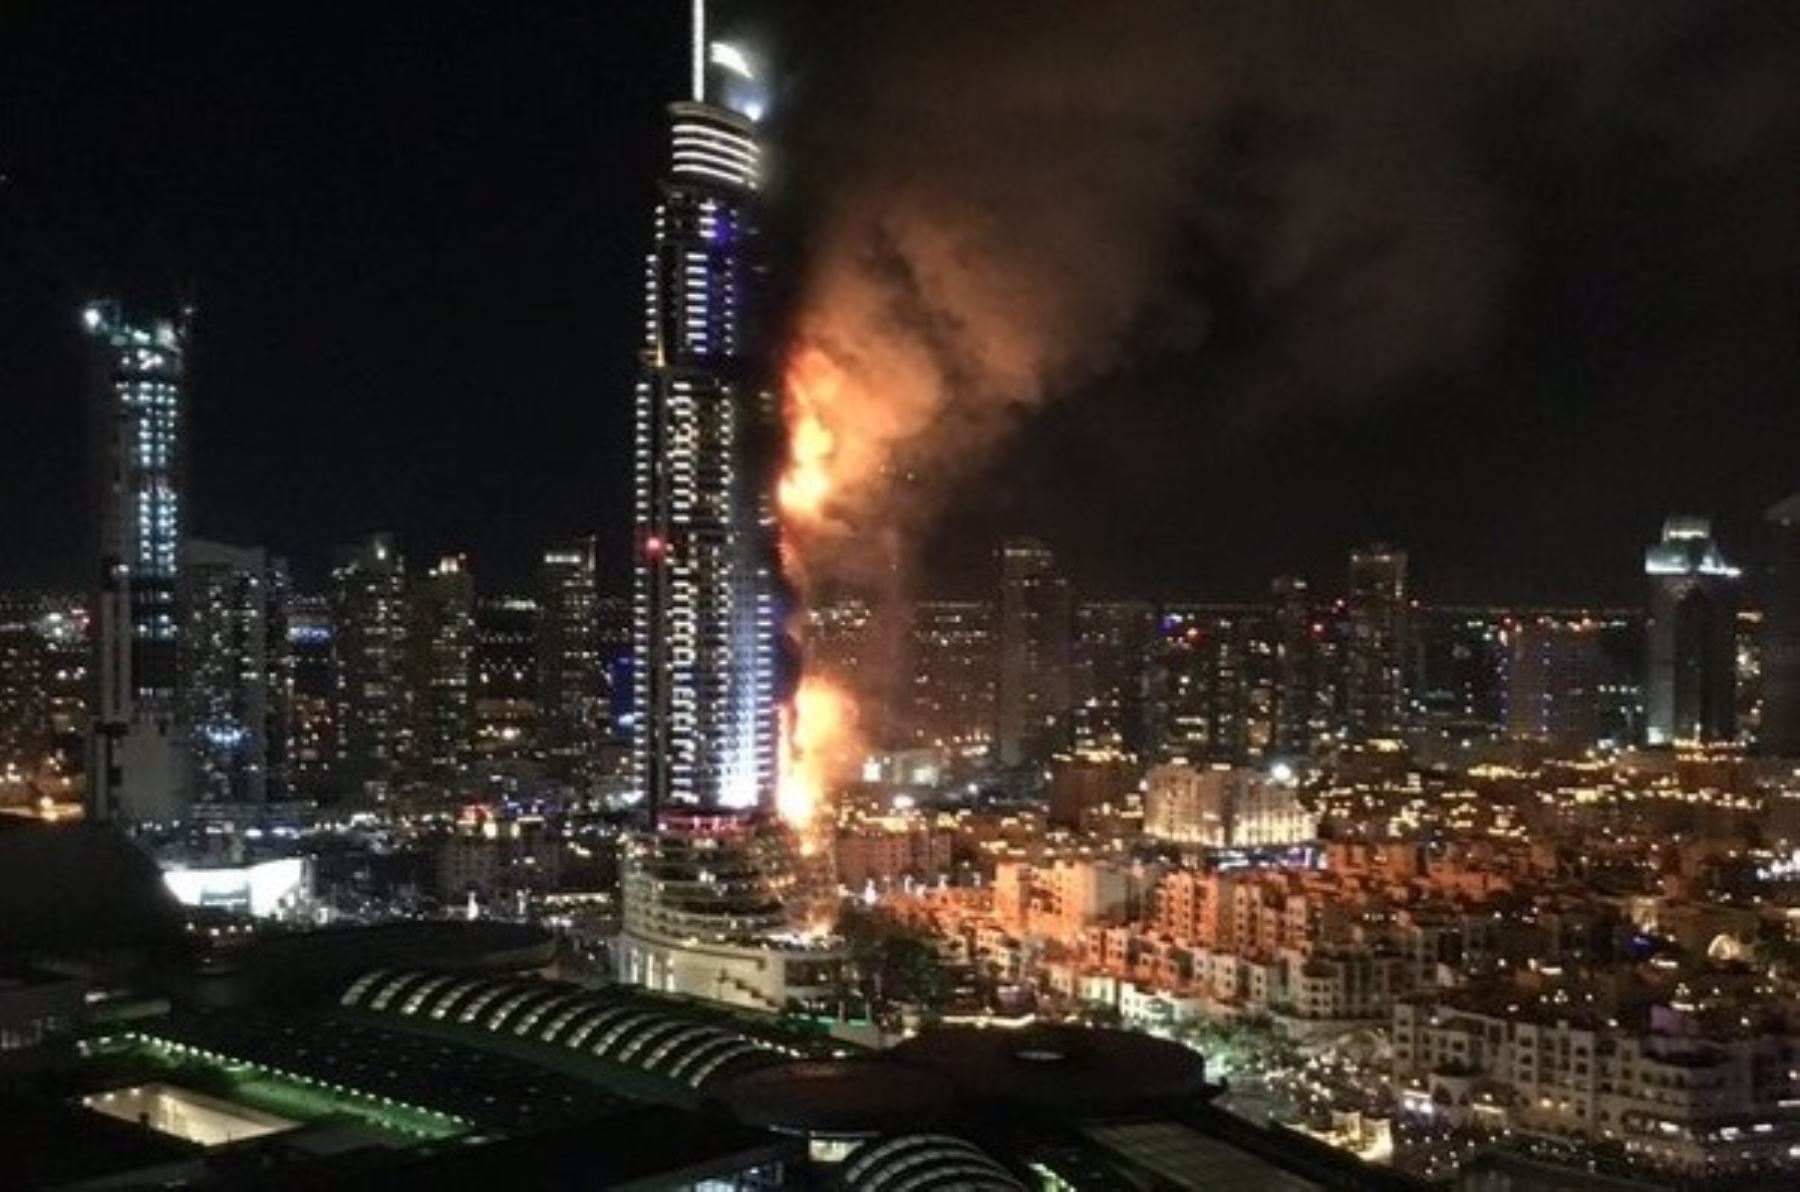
(698, 63)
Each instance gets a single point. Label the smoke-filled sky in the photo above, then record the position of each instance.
(1197, 292)
(1209, 290)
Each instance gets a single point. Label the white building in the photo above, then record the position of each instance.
(1672, 1093)
(1223, 807)
(713, 909)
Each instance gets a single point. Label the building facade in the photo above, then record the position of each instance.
(705, 620)
(1780, 730)
(1034, 693)
(237, 672)
(368, 627)
(439, 668)
(1223, 807)
(1295, 720)
(1553, 670)
(506, 677)
(571, 703)
(44, 689)
(1375, 649)
(312, 698)
(954, 664)
(1111, 650)
(138, 767)
(1199, 687)
(1690, 687)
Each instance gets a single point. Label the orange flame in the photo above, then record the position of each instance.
(817, 735)
(817, 728)
(813, 387)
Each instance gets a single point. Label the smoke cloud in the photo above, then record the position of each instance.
(1007, 202)
(1006, 197)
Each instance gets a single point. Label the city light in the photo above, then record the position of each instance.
(903, 679)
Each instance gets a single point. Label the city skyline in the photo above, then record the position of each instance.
(456, 420)
(1010, 602)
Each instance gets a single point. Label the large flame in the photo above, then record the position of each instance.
(817, 732)
(813, 386)
(817, 727)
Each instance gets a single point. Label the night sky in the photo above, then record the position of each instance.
(414, 234)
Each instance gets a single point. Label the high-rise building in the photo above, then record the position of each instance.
(312, 734)
(439, 668)
(1111, 653)
(840, 635)
(1034, 692)
(616, 670)
(1553, 669)
(24, 698)
(954, 662)
(138, 768)
(1690, 685)
(1294, 712)
(571, 696)
(506, 677)
(368, 624)
(44, 689)
(1083, 783)
(65, 630)
(1458, 666)
(1621, 678)
(236, 667)
(711, 891)
(1197, 702)
(1781, 632)
(1747, 679)
(707, 446)
(1375, 649)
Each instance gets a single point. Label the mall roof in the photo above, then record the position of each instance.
(925, 1163)
(625, 1032)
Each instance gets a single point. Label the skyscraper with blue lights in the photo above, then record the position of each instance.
(705, 626)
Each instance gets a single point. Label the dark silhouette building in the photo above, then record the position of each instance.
(1691, 682)
(1781, 631)
(1375, 649)
(1034, 692)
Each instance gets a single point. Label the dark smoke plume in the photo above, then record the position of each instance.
(1004, 203)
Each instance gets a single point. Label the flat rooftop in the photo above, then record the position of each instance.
(187, 1115)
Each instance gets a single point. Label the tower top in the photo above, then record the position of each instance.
(697, 53)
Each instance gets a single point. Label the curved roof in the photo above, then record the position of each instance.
(1056, 1070)
(608, 1025)
(860, 1095)
(924, 1163)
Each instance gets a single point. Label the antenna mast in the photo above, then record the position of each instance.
(698, 65)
